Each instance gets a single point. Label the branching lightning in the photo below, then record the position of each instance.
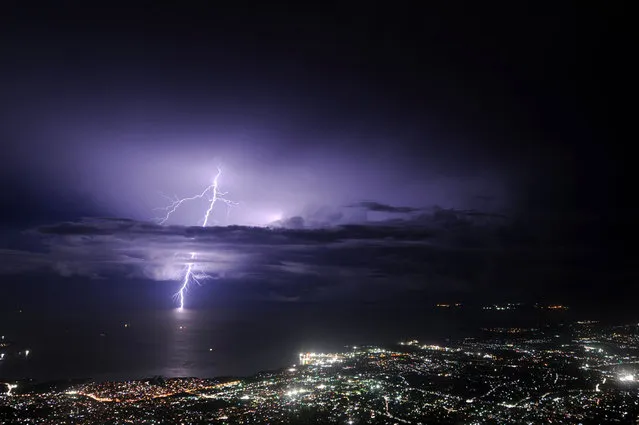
(213, 194)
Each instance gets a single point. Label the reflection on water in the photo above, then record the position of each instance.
(205, 343)
(126, 345)
(187, 353)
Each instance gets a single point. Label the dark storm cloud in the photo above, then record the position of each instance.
(376, 206)
(432, 251)
(425, 253)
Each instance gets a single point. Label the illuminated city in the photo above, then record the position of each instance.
(582, 372)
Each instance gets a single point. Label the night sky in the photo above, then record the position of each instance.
(377, 153)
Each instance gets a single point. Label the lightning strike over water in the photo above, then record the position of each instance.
(213, 194)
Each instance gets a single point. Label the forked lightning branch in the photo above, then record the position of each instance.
(213, 194)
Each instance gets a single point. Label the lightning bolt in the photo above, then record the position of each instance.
(213, 194)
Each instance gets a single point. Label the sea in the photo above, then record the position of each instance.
(132, 343)
(119, 330)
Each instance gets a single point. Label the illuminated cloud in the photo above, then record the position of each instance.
(427, 251)
(100, 248)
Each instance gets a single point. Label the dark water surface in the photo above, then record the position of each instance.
(206, 343)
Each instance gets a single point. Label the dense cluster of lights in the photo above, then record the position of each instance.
(448, 305)
(501, 307)
(505, 377)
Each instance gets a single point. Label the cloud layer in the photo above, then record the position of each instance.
(423, 252)
(436, 249)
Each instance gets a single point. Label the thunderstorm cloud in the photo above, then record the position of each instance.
(434, 250)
